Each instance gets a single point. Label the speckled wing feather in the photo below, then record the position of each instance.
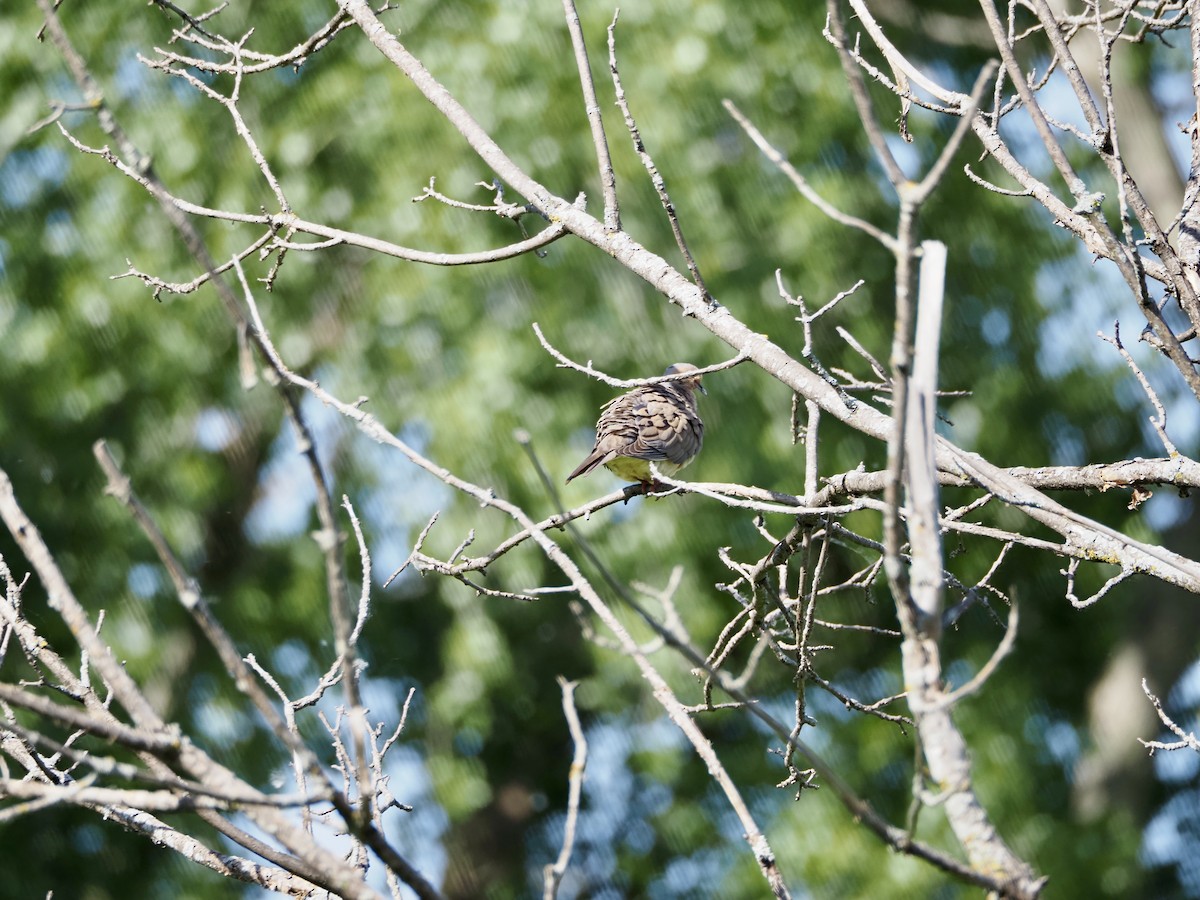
(657, 423)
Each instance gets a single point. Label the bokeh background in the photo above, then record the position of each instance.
(449, 361)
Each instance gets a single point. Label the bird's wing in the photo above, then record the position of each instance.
(655, 423)
(671, 429)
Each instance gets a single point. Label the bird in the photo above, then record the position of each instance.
(655, 423)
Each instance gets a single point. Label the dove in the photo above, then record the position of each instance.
(655, 423)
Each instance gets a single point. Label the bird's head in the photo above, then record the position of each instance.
(692, 383)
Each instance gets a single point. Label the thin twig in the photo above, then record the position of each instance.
(801, 183)
(565, 363)
(1186, 738)
(608, 178)
(553, 873)
(639, 147)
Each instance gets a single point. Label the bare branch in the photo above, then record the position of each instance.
(608, 179)
(1003, 649)
(639, 147)
(801, 183)
(1186, 738)
(1159, 421)
(565, 363)
(554, 872)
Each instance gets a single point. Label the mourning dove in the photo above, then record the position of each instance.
(657, 423)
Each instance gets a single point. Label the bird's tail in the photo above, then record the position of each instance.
(593, 459)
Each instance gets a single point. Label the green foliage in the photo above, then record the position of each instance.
(449, 361)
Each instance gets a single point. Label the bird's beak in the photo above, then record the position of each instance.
(701, 388)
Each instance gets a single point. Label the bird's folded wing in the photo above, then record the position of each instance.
(662, 427)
